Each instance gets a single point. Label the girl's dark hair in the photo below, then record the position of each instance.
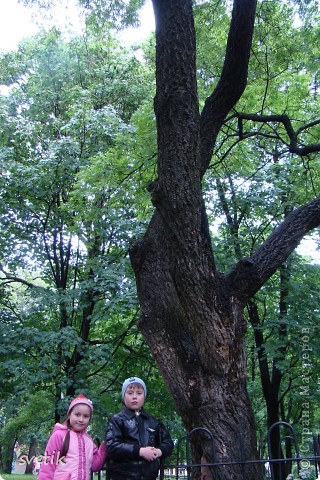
(65, 444)
(66, 440)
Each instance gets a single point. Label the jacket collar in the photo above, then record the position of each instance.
(131, 413)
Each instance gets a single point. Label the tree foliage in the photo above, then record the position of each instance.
(233, 174)
(68, 216)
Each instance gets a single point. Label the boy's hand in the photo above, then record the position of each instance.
(150, 453)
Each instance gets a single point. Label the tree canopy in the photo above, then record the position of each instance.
(230, 157)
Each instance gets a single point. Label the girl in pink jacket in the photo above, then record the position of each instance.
(70, 452)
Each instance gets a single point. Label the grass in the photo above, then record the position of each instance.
(17, 476)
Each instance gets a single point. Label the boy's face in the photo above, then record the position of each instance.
(134, 397)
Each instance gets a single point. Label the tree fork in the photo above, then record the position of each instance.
(191, 322)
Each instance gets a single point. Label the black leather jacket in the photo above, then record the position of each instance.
(126, 433)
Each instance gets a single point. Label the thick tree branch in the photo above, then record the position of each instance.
(233, 79)
(8, 278)
(248, 276)
(176, 108)
(293, 145)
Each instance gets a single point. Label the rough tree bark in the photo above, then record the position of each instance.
(191, 314)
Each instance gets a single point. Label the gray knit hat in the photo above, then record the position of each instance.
(131, 380)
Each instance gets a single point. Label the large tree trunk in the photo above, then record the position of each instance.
(194, 328)
(191, 315)
(197, 335)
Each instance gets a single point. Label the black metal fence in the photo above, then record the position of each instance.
(299, 465)
(279, 466)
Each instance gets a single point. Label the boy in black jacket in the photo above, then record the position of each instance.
(135, 440)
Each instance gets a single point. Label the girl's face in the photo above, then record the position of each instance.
(80, 417)
(134, 397)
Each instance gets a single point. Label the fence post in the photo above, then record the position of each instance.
(316, 451)
(293, 437)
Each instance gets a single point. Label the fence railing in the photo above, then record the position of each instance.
(275, 466)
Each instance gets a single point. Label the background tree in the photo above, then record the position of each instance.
(68, 216)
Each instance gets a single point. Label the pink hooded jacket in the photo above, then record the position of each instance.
(83, 456)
